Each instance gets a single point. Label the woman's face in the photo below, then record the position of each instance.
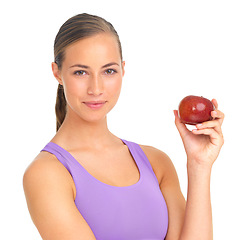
(91, 74)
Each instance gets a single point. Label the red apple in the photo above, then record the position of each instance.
(193, 110)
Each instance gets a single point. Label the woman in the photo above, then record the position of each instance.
(89, 184)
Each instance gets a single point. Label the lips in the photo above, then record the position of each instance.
(95, 104)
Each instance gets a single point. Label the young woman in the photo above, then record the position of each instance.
(89, 184)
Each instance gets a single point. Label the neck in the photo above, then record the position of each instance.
(76, 132)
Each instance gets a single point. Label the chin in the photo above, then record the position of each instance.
(95, 120)
(90, 115)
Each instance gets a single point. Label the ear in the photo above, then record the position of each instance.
(123, 63)
(56, 73)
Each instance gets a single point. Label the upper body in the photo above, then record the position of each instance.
(125, 173)
(89, 71)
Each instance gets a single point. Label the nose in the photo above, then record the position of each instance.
(96, 86)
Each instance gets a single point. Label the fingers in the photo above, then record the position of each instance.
(215, 124)
(213, 127)
(216, 114)
(215, 137)
(215, 103)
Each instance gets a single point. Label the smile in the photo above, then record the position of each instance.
(95, 104)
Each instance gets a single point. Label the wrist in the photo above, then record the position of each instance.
(197, 169)
(199, 179)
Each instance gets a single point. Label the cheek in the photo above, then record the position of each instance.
(114, 87)
(73, 89)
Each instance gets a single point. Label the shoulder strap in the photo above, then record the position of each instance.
(135, 148)
(58, 152)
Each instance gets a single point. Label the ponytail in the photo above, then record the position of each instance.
(60, 107)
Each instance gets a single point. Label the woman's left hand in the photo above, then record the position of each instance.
(203, 144)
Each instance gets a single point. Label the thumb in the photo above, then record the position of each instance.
(181, 127)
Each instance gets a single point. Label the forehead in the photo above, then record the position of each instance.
(97, 49)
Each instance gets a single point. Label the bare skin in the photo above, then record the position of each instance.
(49, 188)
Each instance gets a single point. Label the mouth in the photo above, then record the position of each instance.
(95, 104)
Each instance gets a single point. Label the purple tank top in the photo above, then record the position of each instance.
(136, 212)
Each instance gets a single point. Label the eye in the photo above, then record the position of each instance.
(110, 71)
(80, 73)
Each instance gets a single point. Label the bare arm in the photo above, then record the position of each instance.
(202, 147)
(49, 193)
(191, 219)
(198, 214)
(170, 187)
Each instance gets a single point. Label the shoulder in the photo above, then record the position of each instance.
(45, 172)
(154, 152)
(50, 200)
(42, 165)
(161, 163)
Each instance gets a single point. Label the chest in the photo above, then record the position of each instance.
(113, 167)
(136, 211)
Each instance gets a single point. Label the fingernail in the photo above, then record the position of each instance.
(199, 125)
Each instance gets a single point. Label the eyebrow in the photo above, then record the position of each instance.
(86, 67)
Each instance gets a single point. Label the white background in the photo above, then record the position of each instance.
(171, 48)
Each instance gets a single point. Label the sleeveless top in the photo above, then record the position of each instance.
(136, 212)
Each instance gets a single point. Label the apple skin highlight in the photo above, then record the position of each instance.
(193, 110)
